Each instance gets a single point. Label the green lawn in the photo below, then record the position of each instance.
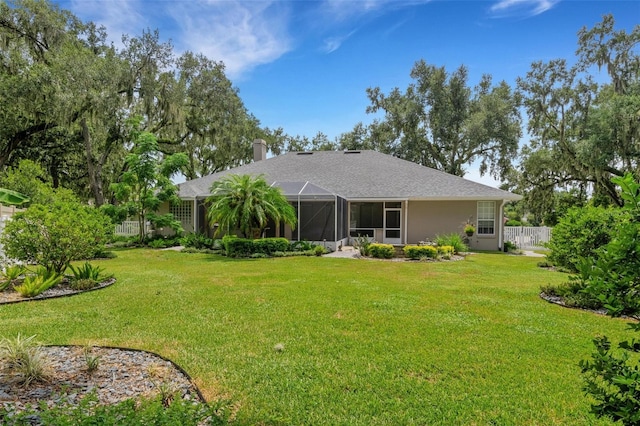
(365, 342)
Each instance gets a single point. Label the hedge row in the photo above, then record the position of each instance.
(382, 251)
(243, 247)
(419, 252)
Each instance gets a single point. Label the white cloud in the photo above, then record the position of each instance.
(521, 7)
(240, 34)
(117, 16)
(332, 44)
(340, 10)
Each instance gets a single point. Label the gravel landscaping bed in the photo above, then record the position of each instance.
(121, 374)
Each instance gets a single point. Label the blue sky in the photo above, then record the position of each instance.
(305, 65)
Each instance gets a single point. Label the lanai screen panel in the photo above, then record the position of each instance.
(316, 210)
(317, 220)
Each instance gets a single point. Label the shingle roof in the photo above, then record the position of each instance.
(357, 175)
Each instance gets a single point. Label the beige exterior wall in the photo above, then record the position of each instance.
(426, 219)
(187, 223)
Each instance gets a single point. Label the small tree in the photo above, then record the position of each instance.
(146, 183)
(245, 203)
(56, 234)
(611, 377)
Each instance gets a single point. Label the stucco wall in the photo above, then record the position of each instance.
(426, 219)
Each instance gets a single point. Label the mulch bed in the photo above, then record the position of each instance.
(121, 373)
(61, 290)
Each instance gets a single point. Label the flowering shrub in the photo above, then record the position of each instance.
(419, 252)
(382, 251)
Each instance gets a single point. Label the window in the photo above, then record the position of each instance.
(183, 213)
(366, 215)
(365, 218)
(486, 217)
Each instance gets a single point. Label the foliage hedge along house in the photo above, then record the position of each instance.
(339, 195)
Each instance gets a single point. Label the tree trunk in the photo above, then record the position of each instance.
(94, 170)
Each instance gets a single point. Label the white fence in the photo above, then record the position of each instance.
(527, 237)
(5, 215)
(130, 228)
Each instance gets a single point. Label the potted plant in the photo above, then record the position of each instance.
(469, 229)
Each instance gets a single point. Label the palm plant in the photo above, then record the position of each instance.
(247, 203)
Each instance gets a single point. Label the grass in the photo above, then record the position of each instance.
(341, 341)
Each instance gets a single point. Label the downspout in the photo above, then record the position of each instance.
(195, 215)
(335, 217)
(501, 230)
(406, 221)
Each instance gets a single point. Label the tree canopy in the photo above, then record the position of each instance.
(68, 93)
(583, 132)
(441, 122)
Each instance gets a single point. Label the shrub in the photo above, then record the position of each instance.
(156, 411)
(301, 246)
(104, 254)
(510, 246)
(363, 243)
(13, 272)
(237, 247)
(56, 234)
(270, 245)
(319, 250)
(157, 244)
(612, 379)
(382, 251)
(34, 285)
(420, 252)
(613, 277)
(86, 271)
(580, 233)
(453, 240)
(445, 250)
(82, 284)
(198, 241)
(573, 294)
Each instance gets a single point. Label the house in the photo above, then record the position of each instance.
(339, 195)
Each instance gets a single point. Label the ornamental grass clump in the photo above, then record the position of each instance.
(23, 357)
(453, 240)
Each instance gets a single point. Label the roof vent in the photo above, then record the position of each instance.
(352, 152)
(304, 153)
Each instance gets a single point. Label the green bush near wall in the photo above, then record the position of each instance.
(419, 252)
(243, 247)
(446, 250)
(271, 245)
(382, 251)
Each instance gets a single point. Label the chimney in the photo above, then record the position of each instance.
(259, 150)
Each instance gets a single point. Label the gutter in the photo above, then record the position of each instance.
(501, 231)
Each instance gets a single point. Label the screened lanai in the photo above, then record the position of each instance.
(322, 215)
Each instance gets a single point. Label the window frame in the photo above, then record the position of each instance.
(483, 210)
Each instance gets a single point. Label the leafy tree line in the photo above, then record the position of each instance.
(68, 95)
(582, 132)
